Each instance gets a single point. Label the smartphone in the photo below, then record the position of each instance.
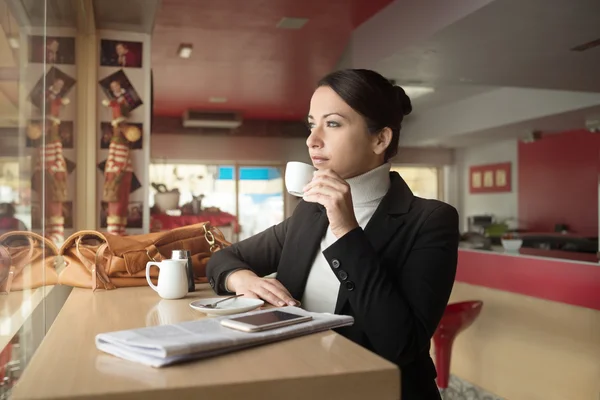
(264, 321)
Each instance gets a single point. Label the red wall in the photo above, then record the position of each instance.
(558, 182)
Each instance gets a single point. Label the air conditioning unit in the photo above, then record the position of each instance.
(211, 119)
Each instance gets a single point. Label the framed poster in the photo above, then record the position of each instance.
(490, 178)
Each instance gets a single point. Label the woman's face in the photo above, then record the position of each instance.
(339, 139)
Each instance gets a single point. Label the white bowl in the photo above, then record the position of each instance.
(512, 244)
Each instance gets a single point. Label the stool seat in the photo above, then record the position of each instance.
(457, 317)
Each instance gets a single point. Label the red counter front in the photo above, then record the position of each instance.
(571, 282)
(538, 334)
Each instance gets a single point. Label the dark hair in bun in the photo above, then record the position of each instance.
(381, 103)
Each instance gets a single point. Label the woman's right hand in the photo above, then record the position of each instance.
(252, 286)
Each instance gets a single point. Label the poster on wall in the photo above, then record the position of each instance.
(52, 50)
(120, 53)
(57, 86)
(490, 178)
(117, 87)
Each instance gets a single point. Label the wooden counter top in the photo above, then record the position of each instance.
(68, 365)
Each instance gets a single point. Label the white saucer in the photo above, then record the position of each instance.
(227, 307)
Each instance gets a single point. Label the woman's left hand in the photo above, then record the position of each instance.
(330, 190)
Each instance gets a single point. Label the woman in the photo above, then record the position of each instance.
(360, 243)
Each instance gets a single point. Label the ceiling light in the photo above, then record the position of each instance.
(185, 50)
(291, 23)
(417, 91)
(13, 42)
(217, 99)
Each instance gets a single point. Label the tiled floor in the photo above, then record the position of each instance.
(462, 390)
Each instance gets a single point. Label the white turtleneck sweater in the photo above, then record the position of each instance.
(322, 286)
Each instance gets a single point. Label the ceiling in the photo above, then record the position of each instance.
(239, 54)
(503, 44)
(55, 13)
(129, 15)
(269, 73)
(508, 43)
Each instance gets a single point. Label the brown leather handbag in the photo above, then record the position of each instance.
(27, 261)
(94, 260)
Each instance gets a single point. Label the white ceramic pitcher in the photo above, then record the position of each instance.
(172, 278)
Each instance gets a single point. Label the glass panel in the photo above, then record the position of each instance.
(37, 128)
(260, 199)
(423, 181)
(15, 200)
(16, 307)
(193, 193)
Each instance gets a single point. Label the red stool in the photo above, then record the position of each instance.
(456, 318)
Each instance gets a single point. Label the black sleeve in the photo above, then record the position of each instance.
(259, 253)
(399, 312)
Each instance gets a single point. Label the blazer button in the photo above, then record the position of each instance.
(343, 275)
(350, 285)
(212, 283)
(335, 263)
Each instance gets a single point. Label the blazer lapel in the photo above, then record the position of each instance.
(385, 222)
(388, 216)
(296, 264)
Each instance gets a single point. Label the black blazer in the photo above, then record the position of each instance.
(395, 276)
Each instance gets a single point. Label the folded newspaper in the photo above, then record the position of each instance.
(163, 345)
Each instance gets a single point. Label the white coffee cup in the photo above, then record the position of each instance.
(172, 278)
(297, 175)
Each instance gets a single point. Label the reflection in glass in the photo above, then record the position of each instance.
(193, 181)
(37, 153)
(185, 194)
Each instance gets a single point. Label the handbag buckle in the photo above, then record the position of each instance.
(210, 238)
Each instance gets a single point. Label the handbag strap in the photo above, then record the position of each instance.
(206, 229)
(5, 258)
(70, 241)
(6, 242)
(6, 263)
(14, 270)
(31, 237)
(100, 268)
(96, 268)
